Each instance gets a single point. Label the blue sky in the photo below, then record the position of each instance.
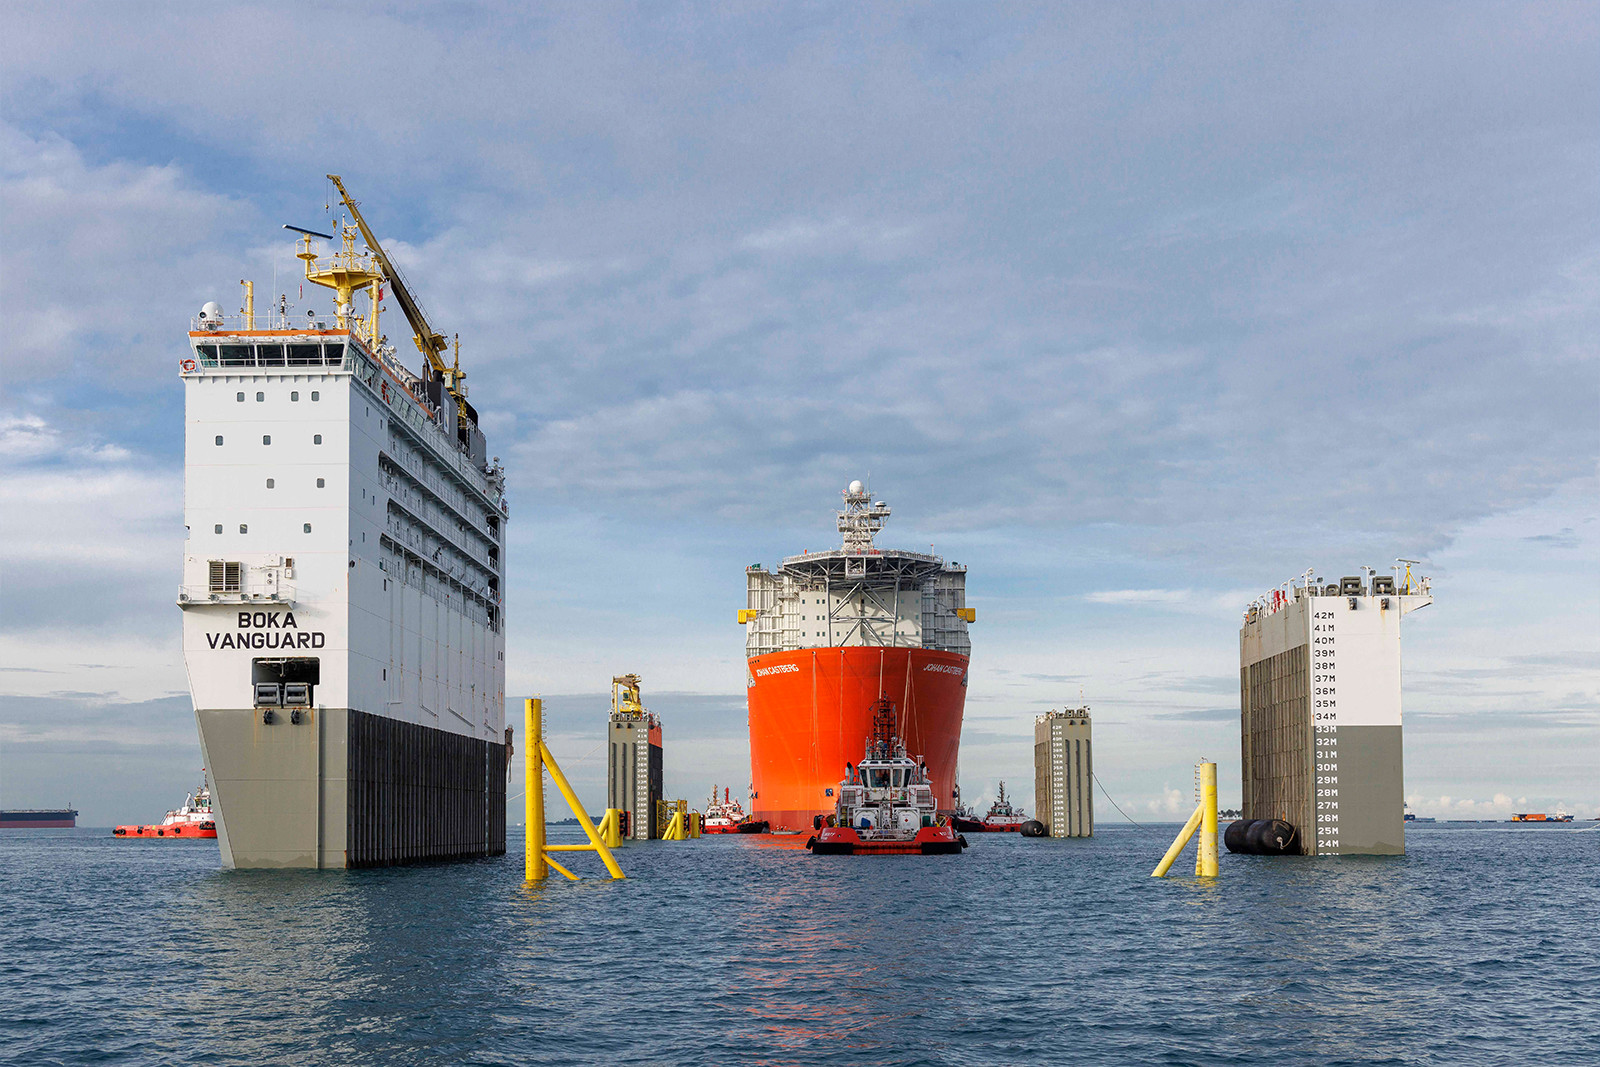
(1135, 310)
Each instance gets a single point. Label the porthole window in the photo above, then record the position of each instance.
(271, 484)
(316, 439)
(219, 438)
(239, 397)
(322, 483)
(306, 527)
(218, 527)
(294, 396)
(315, 396)
(260, 397)
(243, 528)
(266, 438)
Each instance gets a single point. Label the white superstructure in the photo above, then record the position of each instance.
(329, 514)
(343, 575)
(858, 594)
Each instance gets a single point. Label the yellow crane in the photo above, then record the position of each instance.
(349, 272)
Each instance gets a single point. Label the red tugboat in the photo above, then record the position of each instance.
(886, 805)
(193, 820)
(722, 816)
(1002, 817)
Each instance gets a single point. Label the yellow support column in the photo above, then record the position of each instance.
(533, 788)
(613, 828)
(584, 821)
(1205, 856)
(1177, 845)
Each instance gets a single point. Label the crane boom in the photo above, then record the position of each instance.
(430, 343)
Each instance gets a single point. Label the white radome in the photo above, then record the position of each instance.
(855, 488)
(211, 310)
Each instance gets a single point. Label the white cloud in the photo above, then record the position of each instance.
(1140, 596)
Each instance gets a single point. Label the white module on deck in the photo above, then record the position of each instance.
(857, 594)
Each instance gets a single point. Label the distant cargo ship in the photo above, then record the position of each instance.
(830, 633)
(39, 819)
(1539, 816)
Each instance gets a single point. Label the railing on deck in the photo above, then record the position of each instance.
(263, 593)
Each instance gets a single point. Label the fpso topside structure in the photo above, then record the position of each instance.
(827, 634)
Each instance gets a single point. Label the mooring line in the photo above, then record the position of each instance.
(1113, 803)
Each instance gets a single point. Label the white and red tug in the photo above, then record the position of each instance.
(886, 803)
(1002, 817)
(193, 820)
(722, 816)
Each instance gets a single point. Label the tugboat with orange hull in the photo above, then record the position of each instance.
(193, 820)
(886, 804)
(828, 633)
(1002, 817)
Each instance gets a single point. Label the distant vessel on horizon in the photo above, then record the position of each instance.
(38, 818)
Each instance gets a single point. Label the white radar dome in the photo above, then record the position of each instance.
(211, 310)
(855, 488)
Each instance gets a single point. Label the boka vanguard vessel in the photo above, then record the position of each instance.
(827, 635)
(342, 598)
(886, 803)
(194, 819)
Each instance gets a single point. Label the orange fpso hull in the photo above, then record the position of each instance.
(811, 712)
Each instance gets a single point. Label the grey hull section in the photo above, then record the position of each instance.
(343, 788)
(1365, 815)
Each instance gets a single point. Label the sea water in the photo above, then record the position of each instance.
(1480, 946)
